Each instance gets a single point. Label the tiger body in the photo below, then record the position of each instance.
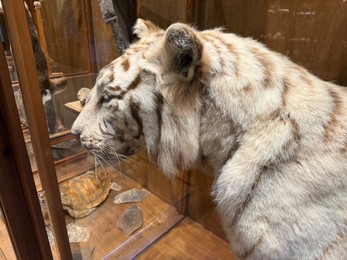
(274, 135)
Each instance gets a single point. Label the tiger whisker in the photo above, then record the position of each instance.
(117, 157)
(103, 168)
(102, 159)
(113, 151)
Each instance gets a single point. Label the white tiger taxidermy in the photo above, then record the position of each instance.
(274, 134)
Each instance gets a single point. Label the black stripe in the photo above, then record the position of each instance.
(266, 63)
(134, 109)
(120, 135)
(247, 201)
(125, 64)
(101, 130)
(135, 83)
(159, 102)
(250, 251)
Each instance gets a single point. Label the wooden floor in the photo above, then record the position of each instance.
(188, 240)
(165, 234)
(6, 250)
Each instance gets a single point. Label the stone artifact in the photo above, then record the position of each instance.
(133, 195)
(77, 233)
(115, 186)
(80, 196)
(131, 220)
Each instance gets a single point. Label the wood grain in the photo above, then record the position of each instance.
(105, 46)
(27, 74)
(188, 240)
(20, 206)
(312, 33)
(163, 13)
(66, 32)
(6, 249)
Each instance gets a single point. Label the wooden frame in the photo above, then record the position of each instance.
(27, 74)
(17, 189)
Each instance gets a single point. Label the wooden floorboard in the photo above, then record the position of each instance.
(188, 240)
(6, 249)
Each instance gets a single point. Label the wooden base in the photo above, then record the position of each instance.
(164, 235)
(188, 240)
(74, 106)
(107, 239)
(6, 249)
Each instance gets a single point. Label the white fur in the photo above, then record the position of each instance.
(275, 135)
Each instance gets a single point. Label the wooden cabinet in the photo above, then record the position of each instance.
(80, 43)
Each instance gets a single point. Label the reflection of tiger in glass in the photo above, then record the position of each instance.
(274, 134)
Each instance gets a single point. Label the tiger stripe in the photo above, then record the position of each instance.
(217, 47)
(304, 76)
(266, 64)
(134, 110)
(125, 64)
(120, 134)
(134, 84)
(333, 122)
(218, 43)
(118, 93)
(339, 242)
(244, 205)
(285, 90)
(250, 251)
(233, 51)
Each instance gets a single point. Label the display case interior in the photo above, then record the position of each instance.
(128, 208)
(118, 209)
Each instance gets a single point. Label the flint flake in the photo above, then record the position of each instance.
(133, 195)
(131, 220)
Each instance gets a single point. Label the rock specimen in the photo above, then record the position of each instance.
(133, 195)
(77, 233)
(131, 220)
(115, 186)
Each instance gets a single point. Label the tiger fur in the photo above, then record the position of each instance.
(274, 134)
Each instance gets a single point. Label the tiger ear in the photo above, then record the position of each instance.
(183, 50)
(144, 28)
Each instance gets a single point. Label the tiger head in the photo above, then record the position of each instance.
(147, 98)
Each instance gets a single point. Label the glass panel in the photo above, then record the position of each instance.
(77, 43)
(88, 184)
(6, 247)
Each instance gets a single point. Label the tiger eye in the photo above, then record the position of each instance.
(112, 88)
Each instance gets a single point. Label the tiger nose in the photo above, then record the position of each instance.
(76, 131)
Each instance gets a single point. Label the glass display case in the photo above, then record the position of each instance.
(95, 209)
(77, 43)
